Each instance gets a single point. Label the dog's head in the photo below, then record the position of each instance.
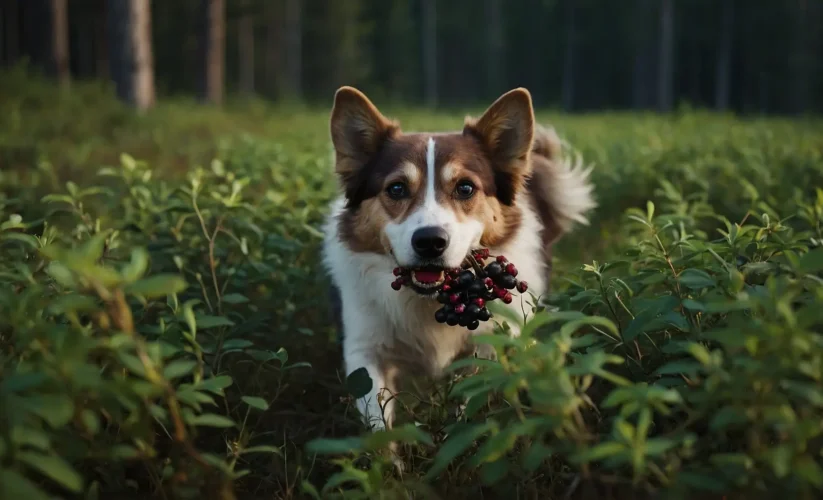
(428, 199)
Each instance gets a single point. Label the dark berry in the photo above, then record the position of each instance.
(507, 299)
(500, 292)
(501, 259)
(465, 279)
(459, 308)
(480, 302)
(440, 316)
(477, 288)
(488, 282)
(507, 281)
(396, 284)
(511, 269)
(463, 320)
(443, 298)
(484, 315)
(473, 325)
(454, 298)
(473, 310)
(494, 269)
(397, 271)
(522, 286)
(452, 319)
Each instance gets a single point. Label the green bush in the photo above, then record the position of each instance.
(164, 328)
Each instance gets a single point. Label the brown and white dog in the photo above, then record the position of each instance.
(424, 201)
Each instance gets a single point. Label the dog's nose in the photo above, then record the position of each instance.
(430, 242)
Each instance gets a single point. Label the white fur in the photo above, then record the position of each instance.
(393, 332)
(571, 191)
(462, 235)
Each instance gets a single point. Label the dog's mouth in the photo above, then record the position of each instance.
(427, 279)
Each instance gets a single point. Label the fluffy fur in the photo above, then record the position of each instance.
(525, 196)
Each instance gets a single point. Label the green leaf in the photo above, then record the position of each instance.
(136, 268)
(235, 344)
(696, 279)
(216, 385)
(262, 448)
(457, 444)
(211, 420)
(205, 321)
(56, 409)
(235, 298)
(359, 383)
(408, 433)
(179, 368)
(21, 237)
(55, 468)
(811, 262)
(684, 366)
(255, 402)
(599, 452)
(73, 303)
(335, 446)
(157, 286)
(13, 485)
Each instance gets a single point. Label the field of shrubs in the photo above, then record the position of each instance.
(164, 331)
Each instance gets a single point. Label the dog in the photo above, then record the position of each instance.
(424, 201)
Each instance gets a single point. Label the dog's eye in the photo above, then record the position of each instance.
(464, 189)
(397, 190)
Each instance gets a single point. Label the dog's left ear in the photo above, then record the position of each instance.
(506, 129)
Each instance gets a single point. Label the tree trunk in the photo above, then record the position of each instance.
(644, 58)
(292, 80)
(60, 41)
(800, 58)
(101, 46)
(213, 50)
(132, 62)
(665, 79)
(724, 57)
(568, 58)
(494, 46)
(11, 31)
(430, 52)
(272, 53)
(245, 29)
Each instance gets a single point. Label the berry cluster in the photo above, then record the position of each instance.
(466, 291)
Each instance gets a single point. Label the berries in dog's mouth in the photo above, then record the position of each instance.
(464, 292)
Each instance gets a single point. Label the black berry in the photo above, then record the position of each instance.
(440, 316)
(494, 270)
(507, 281)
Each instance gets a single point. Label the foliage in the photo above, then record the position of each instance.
(163, 324)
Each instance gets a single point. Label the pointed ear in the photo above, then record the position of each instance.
(358, 129)
(506, 129)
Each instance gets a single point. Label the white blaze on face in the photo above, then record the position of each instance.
(462, 235)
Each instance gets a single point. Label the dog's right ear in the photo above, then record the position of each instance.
(358, 130)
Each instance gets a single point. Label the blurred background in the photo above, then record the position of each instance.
(746, 56)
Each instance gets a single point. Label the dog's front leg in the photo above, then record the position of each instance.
(376, 407)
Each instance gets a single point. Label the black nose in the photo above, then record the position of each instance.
(430, 242)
